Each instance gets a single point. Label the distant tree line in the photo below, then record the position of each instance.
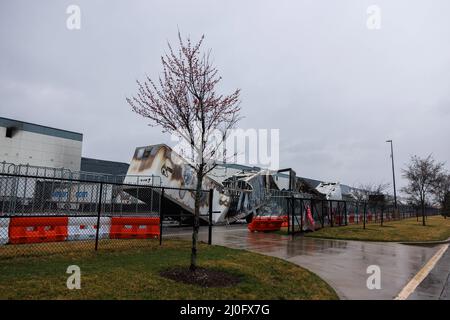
(428, 184)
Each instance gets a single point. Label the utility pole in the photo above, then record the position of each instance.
(393, 175)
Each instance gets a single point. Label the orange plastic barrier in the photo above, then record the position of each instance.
(134, 228)
(351, 218)
(285, 223)
(265, 224)
(338, 219)
(37, 229)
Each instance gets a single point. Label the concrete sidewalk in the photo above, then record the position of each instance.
(436, 286)
(343, 264)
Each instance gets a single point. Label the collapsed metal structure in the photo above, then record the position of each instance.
(237, 193)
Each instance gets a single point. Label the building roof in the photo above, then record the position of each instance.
(40, 129)
(104, 166)
(311, 182)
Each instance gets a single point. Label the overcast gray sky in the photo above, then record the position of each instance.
(334, 88)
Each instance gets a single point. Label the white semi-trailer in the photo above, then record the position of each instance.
(174, 172)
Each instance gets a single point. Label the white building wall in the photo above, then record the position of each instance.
(40, 150)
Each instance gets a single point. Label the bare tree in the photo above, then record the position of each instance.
(185, 103)
(446, 206)
(361, 193)
(441, 189)
(422, 176)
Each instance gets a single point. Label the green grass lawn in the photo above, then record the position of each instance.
(408, 230)
(129, 269)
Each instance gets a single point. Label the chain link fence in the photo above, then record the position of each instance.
(311, 214)
(41, 215)
(46, 214)
(301, 212)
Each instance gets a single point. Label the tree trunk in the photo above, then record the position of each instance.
(196, 224)
(423, 212)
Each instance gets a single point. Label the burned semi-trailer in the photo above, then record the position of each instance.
(179, 180)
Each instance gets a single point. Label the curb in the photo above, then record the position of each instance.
(424, 243)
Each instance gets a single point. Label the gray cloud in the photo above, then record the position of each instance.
(335, 89)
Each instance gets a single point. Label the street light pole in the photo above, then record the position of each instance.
(393, 174)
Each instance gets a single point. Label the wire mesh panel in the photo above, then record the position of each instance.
(38, 214)
(39, 196)
(179, 223)
(295, 215)
(129, 213)
(41, 215)
(46, 214)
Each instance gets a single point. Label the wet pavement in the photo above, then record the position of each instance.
(436, 286)
(343, 264)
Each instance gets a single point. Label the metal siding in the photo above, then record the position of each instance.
(104, 166)
(36, 128)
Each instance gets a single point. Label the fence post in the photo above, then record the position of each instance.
(292, 216)
(288, 203)
(345, 213)
(331, 212)
(161, 215)
(301, 215)
(338, 213)
(323, 212)
(210, 212)
(364, 215)
(99, 210)
(357, 213)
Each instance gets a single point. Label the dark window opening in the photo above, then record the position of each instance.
(147, 153)
(10, 132)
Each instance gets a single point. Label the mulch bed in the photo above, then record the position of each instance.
(202, 277)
